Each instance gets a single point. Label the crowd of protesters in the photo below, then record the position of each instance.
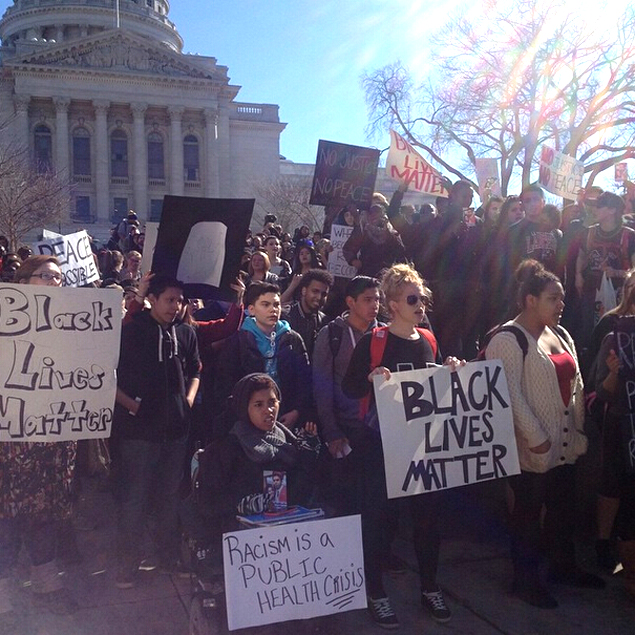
(280, 379)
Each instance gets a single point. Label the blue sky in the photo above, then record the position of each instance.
(307, 56)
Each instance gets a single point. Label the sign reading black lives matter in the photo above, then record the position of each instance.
(443, 429)
(59, 349)
(200, 242)
(344, 174)
(75, 256)
(291, 572)
(625, 349)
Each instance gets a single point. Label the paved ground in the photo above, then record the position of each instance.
(474, 573)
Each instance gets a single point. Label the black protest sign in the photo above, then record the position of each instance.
(344, 174)
(200, 242)
(443, 429)
(59, 349)
(624, 334)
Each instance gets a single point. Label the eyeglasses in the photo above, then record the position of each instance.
(48, 276)
(412, 300)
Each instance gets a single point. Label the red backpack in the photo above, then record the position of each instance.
(378, 341)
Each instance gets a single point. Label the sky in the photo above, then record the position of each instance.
(307, 56)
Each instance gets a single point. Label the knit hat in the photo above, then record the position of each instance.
(245, 388)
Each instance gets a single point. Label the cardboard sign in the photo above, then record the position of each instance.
(625, 349)
(344, 174)
(75, 257)
(441, 430)
(59, 350)
(297, 571)
(560, 174)
(337, 264)
(200, 242)
(489, 183)
(405, 165)
(151, 230)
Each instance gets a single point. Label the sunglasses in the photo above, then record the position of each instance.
(412, 300)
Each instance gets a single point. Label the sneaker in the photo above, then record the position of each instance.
(381, 611)
(149, 564)
(59, 602)
(434, 603)
(604, 553)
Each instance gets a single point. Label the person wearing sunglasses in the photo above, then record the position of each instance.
(406, 298)
(35, 491)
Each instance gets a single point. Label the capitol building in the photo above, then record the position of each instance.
(105, 96)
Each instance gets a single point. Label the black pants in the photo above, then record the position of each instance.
(555, 490)
(379, 516)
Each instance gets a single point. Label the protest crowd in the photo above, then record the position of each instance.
(280, 382)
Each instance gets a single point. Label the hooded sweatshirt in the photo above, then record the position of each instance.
(267, 344)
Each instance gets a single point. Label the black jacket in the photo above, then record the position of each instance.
(156, 369)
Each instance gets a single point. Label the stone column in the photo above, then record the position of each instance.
(223, 151)
(62, 163)
(140, 160)
(211, 153)
(21, 128)
(176, 155)
(102, 184)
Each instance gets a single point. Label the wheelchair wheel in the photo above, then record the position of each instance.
(205, 615)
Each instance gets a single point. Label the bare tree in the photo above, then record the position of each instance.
(288, 198)
(29, 198)
(529, 74)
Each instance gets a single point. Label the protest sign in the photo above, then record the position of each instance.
(200, 241)
(621, 172)
(488, 181)
(59, 350)
(441, 430)
(297, 571)
(344, 174)
(337, 264)
(625, 349)
(151, 230)
(405, 165)
(560, 174)
(48, 234)
(75, 256)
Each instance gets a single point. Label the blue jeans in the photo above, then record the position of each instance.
(149, 472)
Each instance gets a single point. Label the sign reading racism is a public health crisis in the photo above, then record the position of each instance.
(75, 256)
(297, 571)
(344, 174)
(443, 429)
(59, 349)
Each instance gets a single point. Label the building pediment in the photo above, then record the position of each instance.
(119, 51)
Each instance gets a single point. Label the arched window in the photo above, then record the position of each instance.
(118, 154)
(43, 148)
(156, 166)
(81, 152)
(190, 158)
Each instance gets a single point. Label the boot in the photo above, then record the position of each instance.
(626, 550)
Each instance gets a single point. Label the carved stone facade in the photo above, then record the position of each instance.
(123, 113)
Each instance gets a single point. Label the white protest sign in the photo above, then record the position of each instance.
(151, 230)
(337, 264)
(406, 165)
(488, 179)
(75, 257)
(297, 571)
(560, 174)
(47, 234)
(441, 429)
(59, 349)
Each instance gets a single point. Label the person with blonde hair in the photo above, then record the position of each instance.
(407, 347)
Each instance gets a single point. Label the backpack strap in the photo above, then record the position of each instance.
(378, 341)
(432, 340)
